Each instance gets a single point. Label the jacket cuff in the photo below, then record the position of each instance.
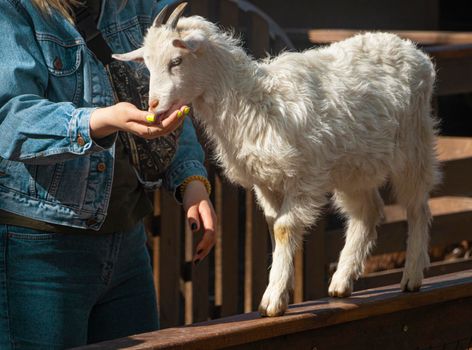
(79, 133)
(175, 176)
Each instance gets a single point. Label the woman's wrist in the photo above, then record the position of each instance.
(100, 125)
(195, 178)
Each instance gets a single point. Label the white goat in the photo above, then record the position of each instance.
(341, 119)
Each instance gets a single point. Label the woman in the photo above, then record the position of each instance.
(73, 262)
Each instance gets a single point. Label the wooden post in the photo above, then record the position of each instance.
(227, 248)
(256, 254)
(169, 261)
(316, 266)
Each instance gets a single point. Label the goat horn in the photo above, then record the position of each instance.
(160, 17)
(174, 17)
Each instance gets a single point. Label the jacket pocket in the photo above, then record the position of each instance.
(63, 60)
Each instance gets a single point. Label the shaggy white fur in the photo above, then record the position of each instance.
(341, 119)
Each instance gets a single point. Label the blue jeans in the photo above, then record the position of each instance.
(59, 291)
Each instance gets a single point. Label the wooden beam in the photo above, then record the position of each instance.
(451, 224)
(325, 36)
(239, 332)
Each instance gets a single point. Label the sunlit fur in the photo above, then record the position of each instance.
(340, 119)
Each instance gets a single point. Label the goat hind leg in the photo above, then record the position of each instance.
(417, 257)
(364, 210)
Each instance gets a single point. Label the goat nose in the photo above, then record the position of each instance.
(153, 104)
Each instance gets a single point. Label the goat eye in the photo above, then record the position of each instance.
(175, 62)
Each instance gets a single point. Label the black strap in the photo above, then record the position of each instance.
(88, 29)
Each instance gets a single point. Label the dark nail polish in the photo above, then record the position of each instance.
(193, 226)
(200, 252)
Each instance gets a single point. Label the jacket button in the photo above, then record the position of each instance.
(80, 140)
(101, 167)
(57, 63)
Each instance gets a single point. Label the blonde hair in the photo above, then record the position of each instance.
(63, 6)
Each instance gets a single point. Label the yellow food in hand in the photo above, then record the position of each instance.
(151, 118)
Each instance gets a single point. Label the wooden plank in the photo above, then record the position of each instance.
(410, 329)
(200, 7)
(258, 41)
(430, 37)
(299, 274)
(169, 263)
(455, 154)
(156, 242)
(377, 279)
(454, 69)
(454, 148)
(242, 330)
(256, 255)
(229, 14)
(316, 267)
(195, 284)
(451, 224)
(227, 248)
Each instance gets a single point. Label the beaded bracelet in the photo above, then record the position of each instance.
(189, 179)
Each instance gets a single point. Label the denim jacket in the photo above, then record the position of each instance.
(50, 168)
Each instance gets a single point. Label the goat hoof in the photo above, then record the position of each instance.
(411, 280)
(273, 303)
(410, 285)
(340, 288)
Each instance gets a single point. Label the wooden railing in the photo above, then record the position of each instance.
(437, 317)
(232, 278)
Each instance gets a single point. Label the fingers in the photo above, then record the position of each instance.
(208, 219)
(152, 126)
(193, 218)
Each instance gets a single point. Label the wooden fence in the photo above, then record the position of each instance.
(232, 278)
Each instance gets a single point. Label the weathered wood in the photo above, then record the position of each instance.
(316, 266)
(256, 255)
(455, 155)
(299, 275)
(430, 37)
(409, 329)
(169, 263)
(227, 248)
(454, 66)
(197, 305)
(383, 278)
(439, 294)
(258, 41)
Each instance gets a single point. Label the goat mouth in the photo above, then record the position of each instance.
(165, 113)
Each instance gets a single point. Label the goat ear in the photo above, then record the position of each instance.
(192, 42)
(136, 55)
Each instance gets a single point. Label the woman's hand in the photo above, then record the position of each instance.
(199, 211)
(126, 117)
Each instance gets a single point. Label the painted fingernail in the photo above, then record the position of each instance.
(179, 114)
(150, 118)
(193, 226)
(200, 252)
(186, 110)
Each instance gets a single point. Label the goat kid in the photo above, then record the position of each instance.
(341, 119)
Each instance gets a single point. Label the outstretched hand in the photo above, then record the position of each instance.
(126, 117)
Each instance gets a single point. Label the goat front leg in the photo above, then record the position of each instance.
(288, 232)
